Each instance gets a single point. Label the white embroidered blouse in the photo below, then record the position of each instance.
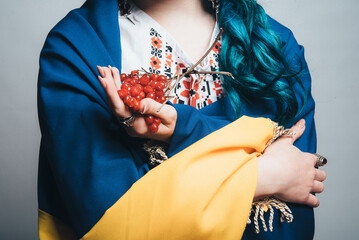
(146, 44)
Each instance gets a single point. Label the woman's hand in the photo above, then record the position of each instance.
(110, 81)
(288, 173)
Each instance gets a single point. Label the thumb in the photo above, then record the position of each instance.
(151, 107)
(298, 130)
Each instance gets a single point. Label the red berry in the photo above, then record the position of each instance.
(145, 80)
(147, 89)
(131, 102)
(127, 99)
(154, 77)
(142, 95)
(153, 127)
(123, 76)
(161, 99)
(133, 81)
(160, 93)
(135, 91)
(154, 84)
(157, 121)
(151, 95)
(122, 93)
(162, 78)
(160, 86)
(125, 86)
(127, 80)
(136, 105)
(139, 86)
(134, 73)
(149, 119)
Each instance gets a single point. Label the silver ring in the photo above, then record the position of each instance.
(321, 161)
(128, 122)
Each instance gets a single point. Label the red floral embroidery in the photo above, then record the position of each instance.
(155, 63)
(217, 88)
(194, 95)
(164, 60)
(156, 42)
(169, 59)
(187, 85)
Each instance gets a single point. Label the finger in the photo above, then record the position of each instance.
(318, 187)
(102, 81)
(312, 201)
(320, 175)
(114, 101)
(116, 77)
(100, 70)
(151, 107)
(298, 130)
(139, 128)
(107, 73)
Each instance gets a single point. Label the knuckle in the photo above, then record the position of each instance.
(310, 157)
(306, 198)
(312, 173)
(115, 70)
(310, 185)
(146, 101)
(171, 115)
(107, 70)
(313, 158)
(140, 132)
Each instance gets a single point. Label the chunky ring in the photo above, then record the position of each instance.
(128, 122)
(321, 161)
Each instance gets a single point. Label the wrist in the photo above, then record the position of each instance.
(265, 179)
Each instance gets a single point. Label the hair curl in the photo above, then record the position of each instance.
(251, 51)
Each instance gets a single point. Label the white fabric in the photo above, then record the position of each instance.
(146, 44)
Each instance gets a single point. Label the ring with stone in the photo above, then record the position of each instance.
(321, 161)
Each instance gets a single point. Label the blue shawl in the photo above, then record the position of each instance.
(87, 161)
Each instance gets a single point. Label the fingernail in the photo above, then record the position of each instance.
(109, 66)
(301, 123)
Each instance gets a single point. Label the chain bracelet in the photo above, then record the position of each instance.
(278, 132)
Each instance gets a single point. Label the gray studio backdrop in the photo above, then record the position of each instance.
(329, 31)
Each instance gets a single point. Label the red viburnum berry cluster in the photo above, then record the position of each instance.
(135, 87)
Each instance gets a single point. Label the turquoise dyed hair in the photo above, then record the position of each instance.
(251, 51)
